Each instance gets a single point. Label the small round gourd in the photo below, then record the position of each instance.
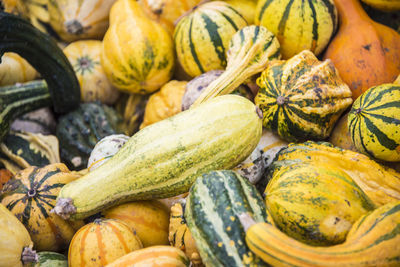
(105, 149)
(30, 195)
(102, 242)
(138, 53)
(299, 25)
(302, 98)
(149, 219)
(202, 37)
(164, 103)
(374, 122)
(85, 58)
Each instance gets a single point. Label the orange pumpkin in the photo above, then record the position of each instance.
(164, 103)
(101, 242)
(150, 219)
(5, 175)
(366, 53)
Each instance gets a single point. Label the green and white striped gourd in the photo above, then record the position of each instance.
(302, 98)
(374, 122)
(50, 259)
(298, 24)
(202, 37)
(214, 201)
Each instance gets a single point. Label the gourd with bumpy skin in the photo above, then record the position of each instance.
(85, 58)
(152, 257)
(372, 241)
(81, 129)
(202, 37)
(379, 183)
(179, 234)
(30, 195)
(164, 159)
(214, 201)
(79, 19)
(299, 25)
(374, 122)
(148, 218)
(164, 103)
(302, 98)
(315, 203)
(250, 51)
(138, 54)
(15, 242)
(102, 242)
(14, 69)
(372, 54)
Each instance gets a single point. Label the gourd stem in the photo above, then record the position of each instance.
(246, 220)
(19, 99)
(64, 208)
(28, 255)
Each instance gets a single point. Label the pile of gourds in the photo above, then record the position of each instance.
(203, 133)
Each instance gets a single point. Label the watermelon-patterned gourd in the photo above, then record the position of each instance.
(374, 122)
(302, 98)
(299, 25)
(202, 37)
(30, 195)
(214, 201)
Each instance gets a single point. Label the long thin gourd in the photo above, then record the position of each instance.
(250, 50)
(374, 240)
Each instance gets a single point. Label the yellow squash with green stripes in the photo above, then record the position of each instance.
(163, 159)
(372, 241)
(374, 122)
(315, 203)
(299, 24)
(138, 53)
(381, 184)
(202, 37)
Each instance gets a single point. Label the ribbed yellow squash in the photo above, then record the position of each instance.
(137, 53)
(245, 7)
(15, 69)
(79, 19)
(202, 37)
(14, 239)
(85, 58)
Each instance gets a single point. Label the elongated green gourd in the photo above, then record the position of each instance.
(163, 159)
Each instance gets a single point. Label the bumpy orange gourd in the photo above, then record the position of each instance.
(164, 103)
(101, 242)
(365, 53)
(149, 219)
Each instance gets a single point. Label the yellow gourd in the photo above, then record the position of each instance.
(15, 69)
(137, 53)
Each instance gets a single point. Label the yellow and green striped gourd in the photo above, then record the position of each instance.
(374, 122)
(298, 24)
(202, 37)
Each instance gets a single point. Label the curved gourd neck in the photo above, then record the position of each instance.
(351, 12)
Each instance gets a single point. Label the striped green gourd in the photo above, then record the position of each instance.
(299, 24)
(214, 201)
(374, 122)
(202, 37)
(315, 203)
(372, 241)
(250, 51)
(163, 159)
(302, 98)
(50, 259)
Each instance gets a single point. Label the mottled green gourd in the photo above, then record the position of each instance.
(80, 130)
(316, 204)
(302, 98)
(374, 122)
(202, 37)
(250, 51)
(50, 259)
(214, 201)
(298, 24)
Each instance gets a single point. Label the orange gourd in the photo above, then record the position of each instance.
(365, 52)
